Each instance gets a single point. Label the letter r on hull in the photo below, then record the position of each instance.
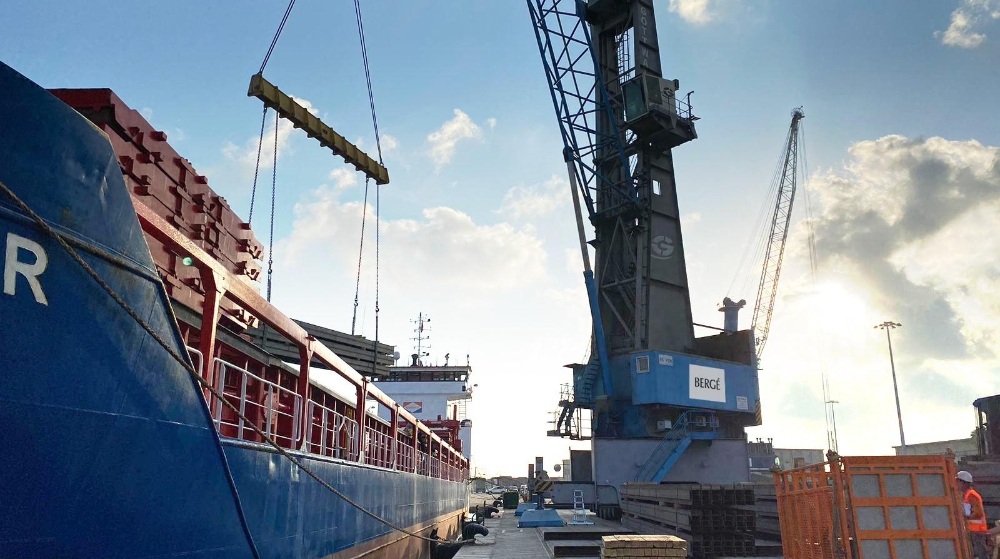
(12, 266)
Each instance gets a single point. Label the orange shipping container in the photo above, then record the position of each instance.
(880, 507)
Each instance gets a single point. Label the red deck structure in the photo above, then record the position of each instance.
(207, 258)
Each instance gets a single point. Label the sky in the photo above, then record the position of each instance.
(476, 227)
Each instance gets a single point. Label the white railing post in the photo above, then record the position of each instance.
(243, 406)
(296, 419)
(322, 429)
(307, 436)
(268, 411)
(220, 386)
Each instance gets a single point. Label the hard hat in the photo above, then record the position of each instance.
(965, 476)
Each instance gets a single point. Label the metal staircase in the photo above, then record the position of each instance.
(583, 387)
(570, 420)
(690, 426)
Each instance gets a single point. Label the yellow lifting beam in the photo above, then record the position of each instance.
(315, 128)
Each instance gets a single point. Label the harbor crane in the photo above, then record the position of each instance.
(655, 392)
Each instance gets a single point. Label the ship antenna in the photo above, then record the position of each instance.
(421, 338)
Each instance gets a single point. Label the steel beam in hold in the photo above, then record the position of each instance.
(300, 116)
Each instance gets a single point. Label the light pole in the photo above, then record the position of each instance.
(887, 326)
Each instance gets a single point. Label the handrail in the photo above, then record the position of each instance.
(272, 412)
(682, 428)
(406, 457)
(199, 362)
(248, 298)
(341, 425)
(377, 448)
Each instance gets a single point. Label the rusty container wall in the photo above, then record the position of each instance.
(809, 529)
(881, 507)
(905, 507)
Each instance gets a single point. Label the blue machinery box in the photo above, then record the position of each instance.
(677, 379)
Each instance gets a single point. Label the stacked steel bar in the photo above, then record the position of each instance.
(635, 546)
(366, 356)
(766, 513)
(168, 184)
(717, 520)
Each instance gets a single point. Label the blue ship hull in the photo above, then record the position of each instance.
(109, 447)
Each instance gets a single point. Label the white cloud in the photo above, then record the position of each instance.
(146, 112)
(905, 227)
(445, 139)
(491, 122)
(692, 11)
(246, 157)
(485, 285)
(344, 178)
(907, 231)
(478, 258)
(966, 20)
(389, 143)
(522, 202)
(691, 219)
(960, 262)
(895, 196)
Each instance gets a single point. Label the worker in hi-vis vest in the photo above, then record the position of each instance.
(975, 515)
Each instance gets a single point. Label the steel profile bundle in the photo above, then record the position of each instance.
(883, 507)
(717, 520)
(168, 184)
(766, 514)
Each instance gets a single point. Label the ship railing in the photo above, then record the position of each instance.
(198, 359)
(199, 365)
(435, 467)
(378, 448)
(404, 457)
(265, 405)
(337, 434)
(423, 464)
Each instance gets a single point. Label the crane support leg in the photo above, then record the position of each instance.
(588, 278)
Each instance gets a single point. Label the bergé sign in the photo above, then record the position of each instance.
(707, 383)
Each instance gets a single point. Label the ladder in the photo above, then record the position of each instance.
(579, 510)
(690, 426)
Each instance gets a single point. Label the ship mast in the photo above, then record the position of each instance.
(421, 338)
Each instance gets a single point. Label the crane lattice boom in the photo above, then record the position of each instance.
(768, 287)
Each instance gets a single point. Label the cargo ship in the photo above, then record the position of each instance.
(140, 418)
